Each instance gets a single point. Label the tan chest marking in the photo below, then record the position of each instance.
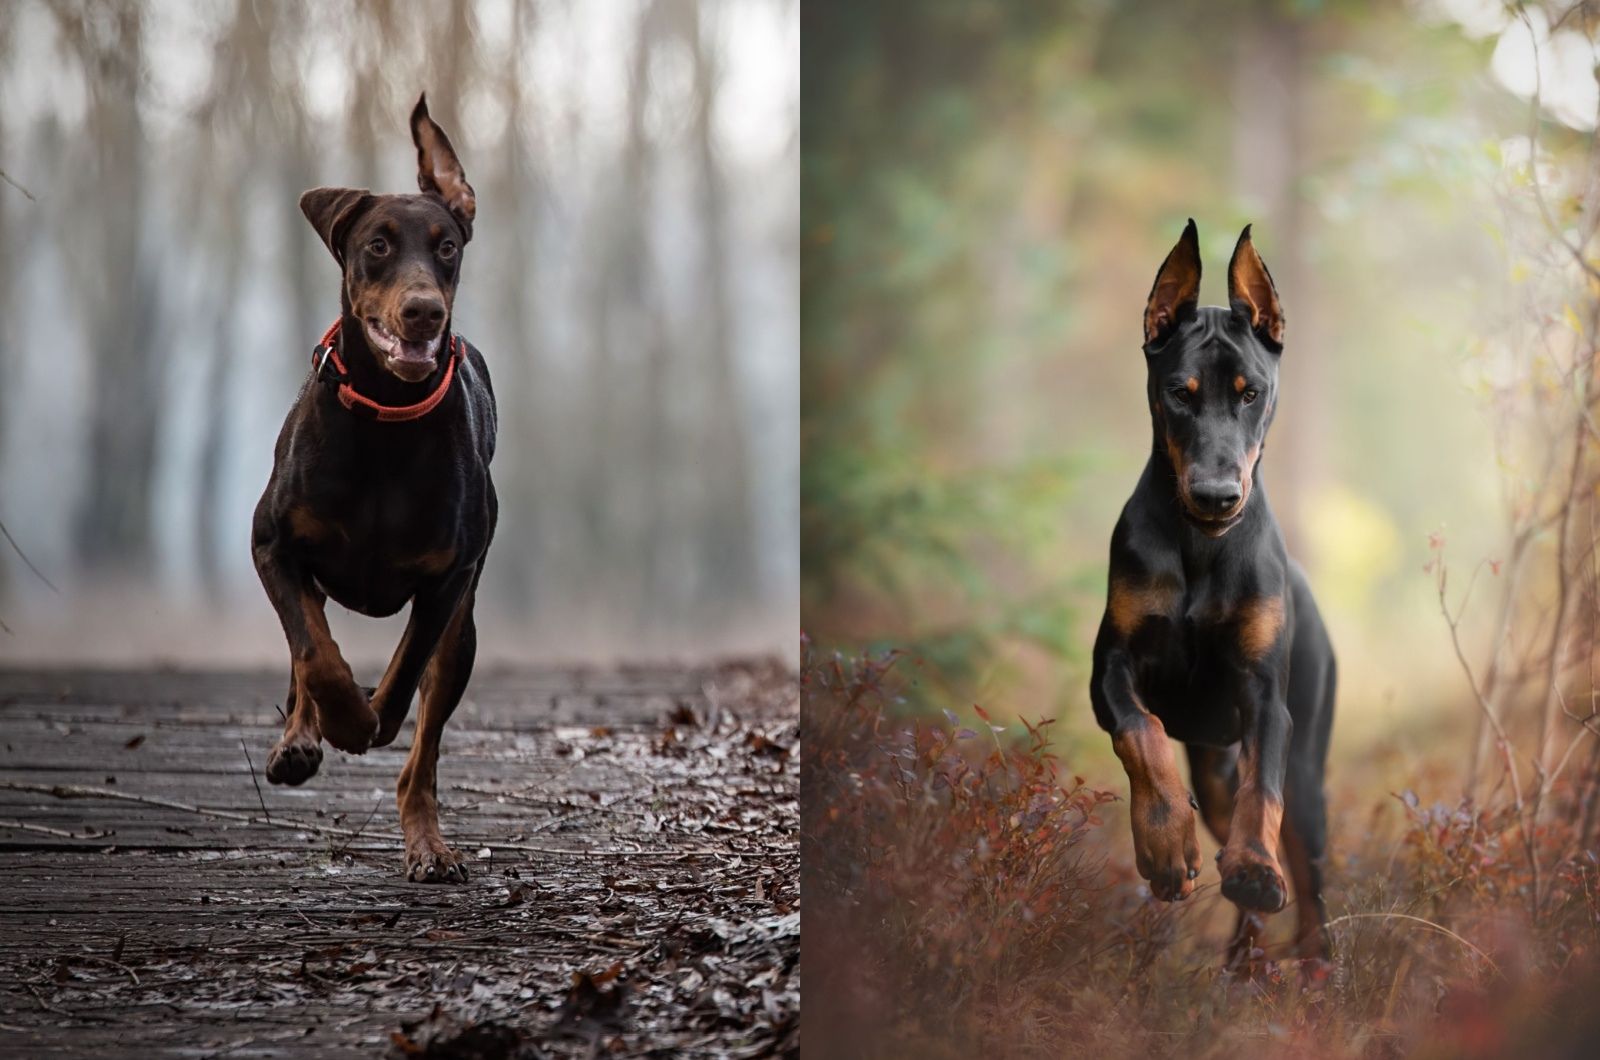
(1130, 602)
(1260, 622)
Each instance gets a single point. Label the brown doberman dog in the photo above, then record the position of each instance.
(1210, 634)
(380, 492)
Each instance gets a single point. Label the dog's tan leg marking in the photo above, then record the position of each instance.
(1251, 875)
(1164, 845)
(428, 858)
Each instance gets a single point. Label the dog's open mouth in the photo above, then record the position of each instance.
(411, 361)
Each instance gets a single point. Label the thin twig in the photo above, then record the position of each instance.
(1507, 751)
(254, 780)
(1535, 103)
(7, 178)
(107, 960)
(1426, 923)
(18, 549)
(62, 833)
(340, 850)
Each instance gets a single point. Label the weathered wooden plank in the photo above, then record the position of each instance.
(209, 929)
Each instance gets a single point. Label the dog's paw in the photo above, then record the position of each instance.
(428, 860)
(346, 721)
(1253, 884)
(1165, 849)
(294, 762)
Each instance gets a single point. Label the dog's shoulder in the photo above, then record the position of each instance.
(483, 411)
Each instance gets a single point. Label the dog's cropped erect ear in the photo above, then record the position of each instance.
(439, 170)
(1251, 293)
(1177, 287)
(331, 211)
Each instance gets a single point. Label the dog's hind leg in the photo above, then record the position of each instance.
(1312, 683)
(1305, 836)
(297, 755)
(1245, 955)
(428, 858)
(426, 629)
(1213, 775)
(1305, 833)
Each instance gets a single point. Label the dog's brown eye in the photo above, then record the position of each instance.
(378, 246)
(447, 249)
(1180, 395)
(1250, 395)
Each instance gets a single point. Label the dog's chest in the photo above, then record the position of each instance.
(373, 531)
(1183, 674)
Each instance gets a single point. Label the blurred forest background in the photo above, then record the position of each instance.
(987, 192)
(633, 284)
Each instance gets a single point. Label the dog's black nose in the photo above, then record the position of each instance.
(422, 309)
(1218, 497)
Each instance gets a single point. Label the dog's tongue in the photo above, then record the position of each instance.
(413, 352)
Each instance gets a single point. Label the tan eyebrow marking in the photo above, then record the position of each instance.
(1191, 384)
(1238, 384)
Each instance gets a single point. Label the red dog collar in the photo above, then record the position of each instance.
(327, 352)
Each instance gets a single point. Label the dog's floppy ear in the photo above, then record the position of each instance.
(1251, 293)
(439, 170)
(331, 211)
(1177, 287)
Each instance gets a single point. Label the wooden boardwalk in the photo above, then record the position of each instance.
(634, 887)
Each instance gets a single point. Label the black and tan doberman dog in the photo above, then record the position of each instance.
(380, 492)
(1210, 634)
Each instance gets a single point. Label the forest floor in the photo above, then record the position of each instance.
(981, 891)
(634, 888)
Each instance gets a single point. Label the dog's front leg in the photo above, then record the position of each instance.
(1161, 810)
(343, 716)
(297, 755)
(1252, 878)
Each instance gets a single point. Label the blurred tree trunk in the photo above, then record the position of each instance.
(367, 98)
(1270, 135)
(8, 314)
(517, 367)
(113, 529)
(666, 515)
(726, 538)
(219, 370)
(444, 101)
(238, 93)
(625, 314)
(312, 272)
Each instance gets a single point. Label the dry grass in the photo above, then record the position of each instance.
(968, 894)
